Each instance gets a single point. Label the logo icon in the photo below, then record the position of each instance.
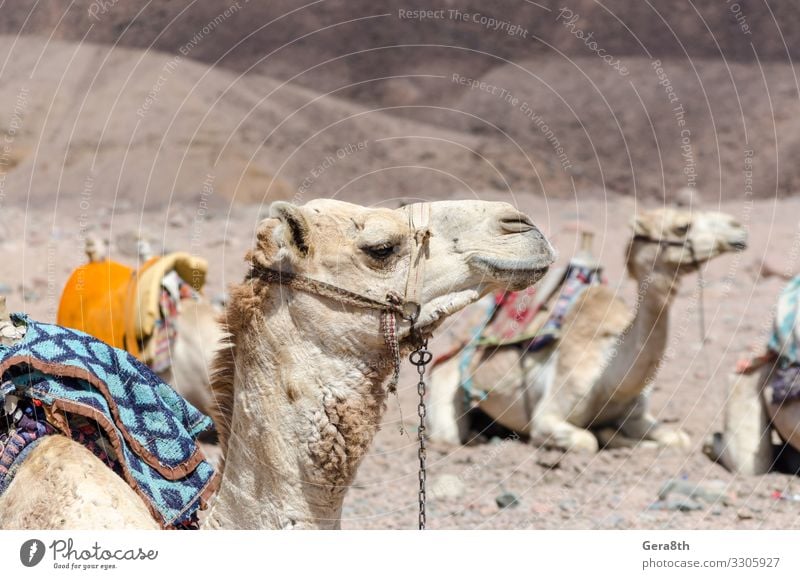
(31, 553)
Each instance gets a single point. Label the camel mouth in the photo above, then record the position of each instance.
(515, 274)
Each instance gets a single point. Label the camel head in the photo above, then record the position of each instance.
(678, 241)
(474, 247)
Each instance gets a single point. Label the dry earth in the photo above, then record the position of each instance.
(613, 489)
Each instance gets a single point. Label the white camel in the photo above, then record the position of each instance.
(762, 431)
(302, 385)
(593, 381)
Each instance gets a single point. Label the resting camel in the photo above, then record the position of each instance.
(302, 383)
(752, 412)
(592, 381)
(96, 300)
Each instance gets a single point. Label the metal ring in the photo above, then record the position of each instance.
(420, 357)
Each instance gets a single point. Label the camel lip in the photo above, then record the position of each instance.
(533, 269)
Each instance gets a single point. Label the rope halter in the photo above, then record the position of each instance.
(406, 307)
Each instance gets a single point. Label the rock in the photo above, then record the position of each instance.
(507, 500)
(447, 486)
(568, 505)
(550, 462)
(712, 492)
(682, 504)
(744, 515)
(178, 220)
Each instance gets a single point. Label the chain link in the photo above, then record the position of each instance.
(421, 357)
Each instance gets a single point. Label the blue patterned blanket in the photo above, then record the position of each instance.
(150, 427)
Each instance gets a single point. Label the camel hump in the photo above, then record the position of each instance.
(597, 313)
(62, 485)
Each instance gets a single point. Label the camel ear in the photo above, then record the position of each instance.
(293, 232)
(640, 225)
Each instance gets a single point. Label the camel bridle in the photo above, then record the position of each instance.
(406, 307)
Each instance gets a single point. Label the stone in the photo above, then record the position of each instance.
(507, 500)
(447, 486)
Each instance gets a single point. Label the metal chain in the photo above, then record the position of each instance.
(421, 357)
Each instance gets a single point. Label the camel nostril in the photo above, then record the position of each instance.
(516, 223)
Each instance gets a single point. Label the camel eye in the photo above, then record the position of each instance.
(682, 229)
(379, 252)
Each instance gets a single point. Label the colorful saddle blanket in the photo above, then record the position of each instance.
(518, 319)
(76, 379)
(785, 343)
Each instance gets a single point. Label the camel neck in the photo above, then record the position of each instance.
(642, 344)
(303, 418)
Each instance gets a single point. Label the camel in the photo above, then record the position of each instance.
(315, 333)
(590, 387)
(753, 415)
(197, 333)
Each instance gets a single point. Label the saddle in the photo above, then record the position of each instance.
(57, 380)
(123, 307)
(530, 319)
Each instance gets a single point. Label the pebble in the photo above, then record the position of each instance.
(550, 461)
(507, 500)
(712, 492)
(568, 505)
(447, 486)
(682, 504)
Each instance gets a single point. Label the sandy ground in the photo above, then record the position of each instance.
(613, 489)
